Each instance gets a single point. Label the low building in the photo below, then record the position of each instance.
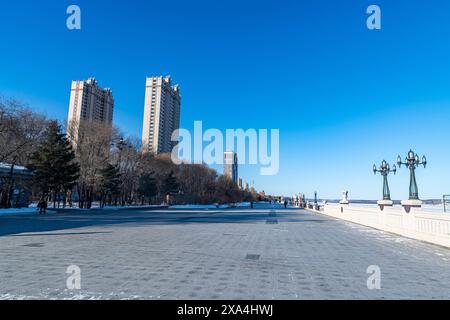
(14, 186)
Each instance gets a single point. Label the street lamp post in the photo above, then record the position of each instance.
(120, 145)
(412, 162)
(384, 170)
(344, 200)
(316, 206)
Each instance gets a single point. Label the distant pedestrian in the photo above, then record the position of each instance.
(251, 204)
(44, 206)
(39, 205)
(285, 204)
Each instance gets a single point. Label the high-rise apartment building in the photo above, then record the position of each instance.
(161, 115)
(88, 102)
(230, 166)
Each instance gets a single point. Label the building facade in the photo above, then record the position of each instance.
(161, 115)
(15, 186)
(240, 184)
(88, 102)
(230, 166)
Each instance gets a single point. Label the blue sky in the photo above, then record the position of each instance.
(342, 96)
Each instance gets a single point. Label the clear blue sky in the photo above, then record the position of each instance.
(342, 96)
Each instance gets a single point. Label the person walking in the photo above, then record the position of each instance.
(285, 204)
(44, 206)
(40, 205)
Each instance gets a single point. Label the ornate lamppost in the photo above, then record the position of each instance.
(344, 199)
(316, 206)
(302, 200)
(384, 170)
(412, 161)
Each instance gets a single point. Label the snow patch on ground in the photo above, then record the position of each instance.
(34, 210)
(4, 165)
(379, 234)
(242, 205)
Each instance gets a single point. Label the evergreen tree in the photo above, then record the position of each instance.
(171, 185)
(109, 182)
(147, 186)
(53, 164)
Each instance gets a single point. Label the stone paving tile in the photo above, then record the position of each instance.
(204, 255)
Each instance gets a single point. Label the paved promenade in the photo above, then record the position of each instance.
(264, 253)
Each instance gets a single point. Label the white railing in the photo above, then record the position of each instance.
(417, 223)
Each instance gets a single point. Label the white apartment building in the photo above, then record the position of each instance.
(88, 102)
(161, 115)
(230, 167)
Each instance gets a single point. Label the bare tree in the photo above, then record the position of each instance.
(198, 182)
(92, 143)
(21, 130)
(130, 168)
(111, 166)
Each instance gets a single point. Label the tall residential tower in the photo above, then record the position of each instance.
(230, 166)
(88, 102)
(161, 115)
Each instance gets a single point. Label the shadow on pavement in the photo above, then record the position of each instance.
(14, 225)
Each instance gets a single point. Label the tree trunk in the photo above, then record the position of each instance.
(10, 187)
